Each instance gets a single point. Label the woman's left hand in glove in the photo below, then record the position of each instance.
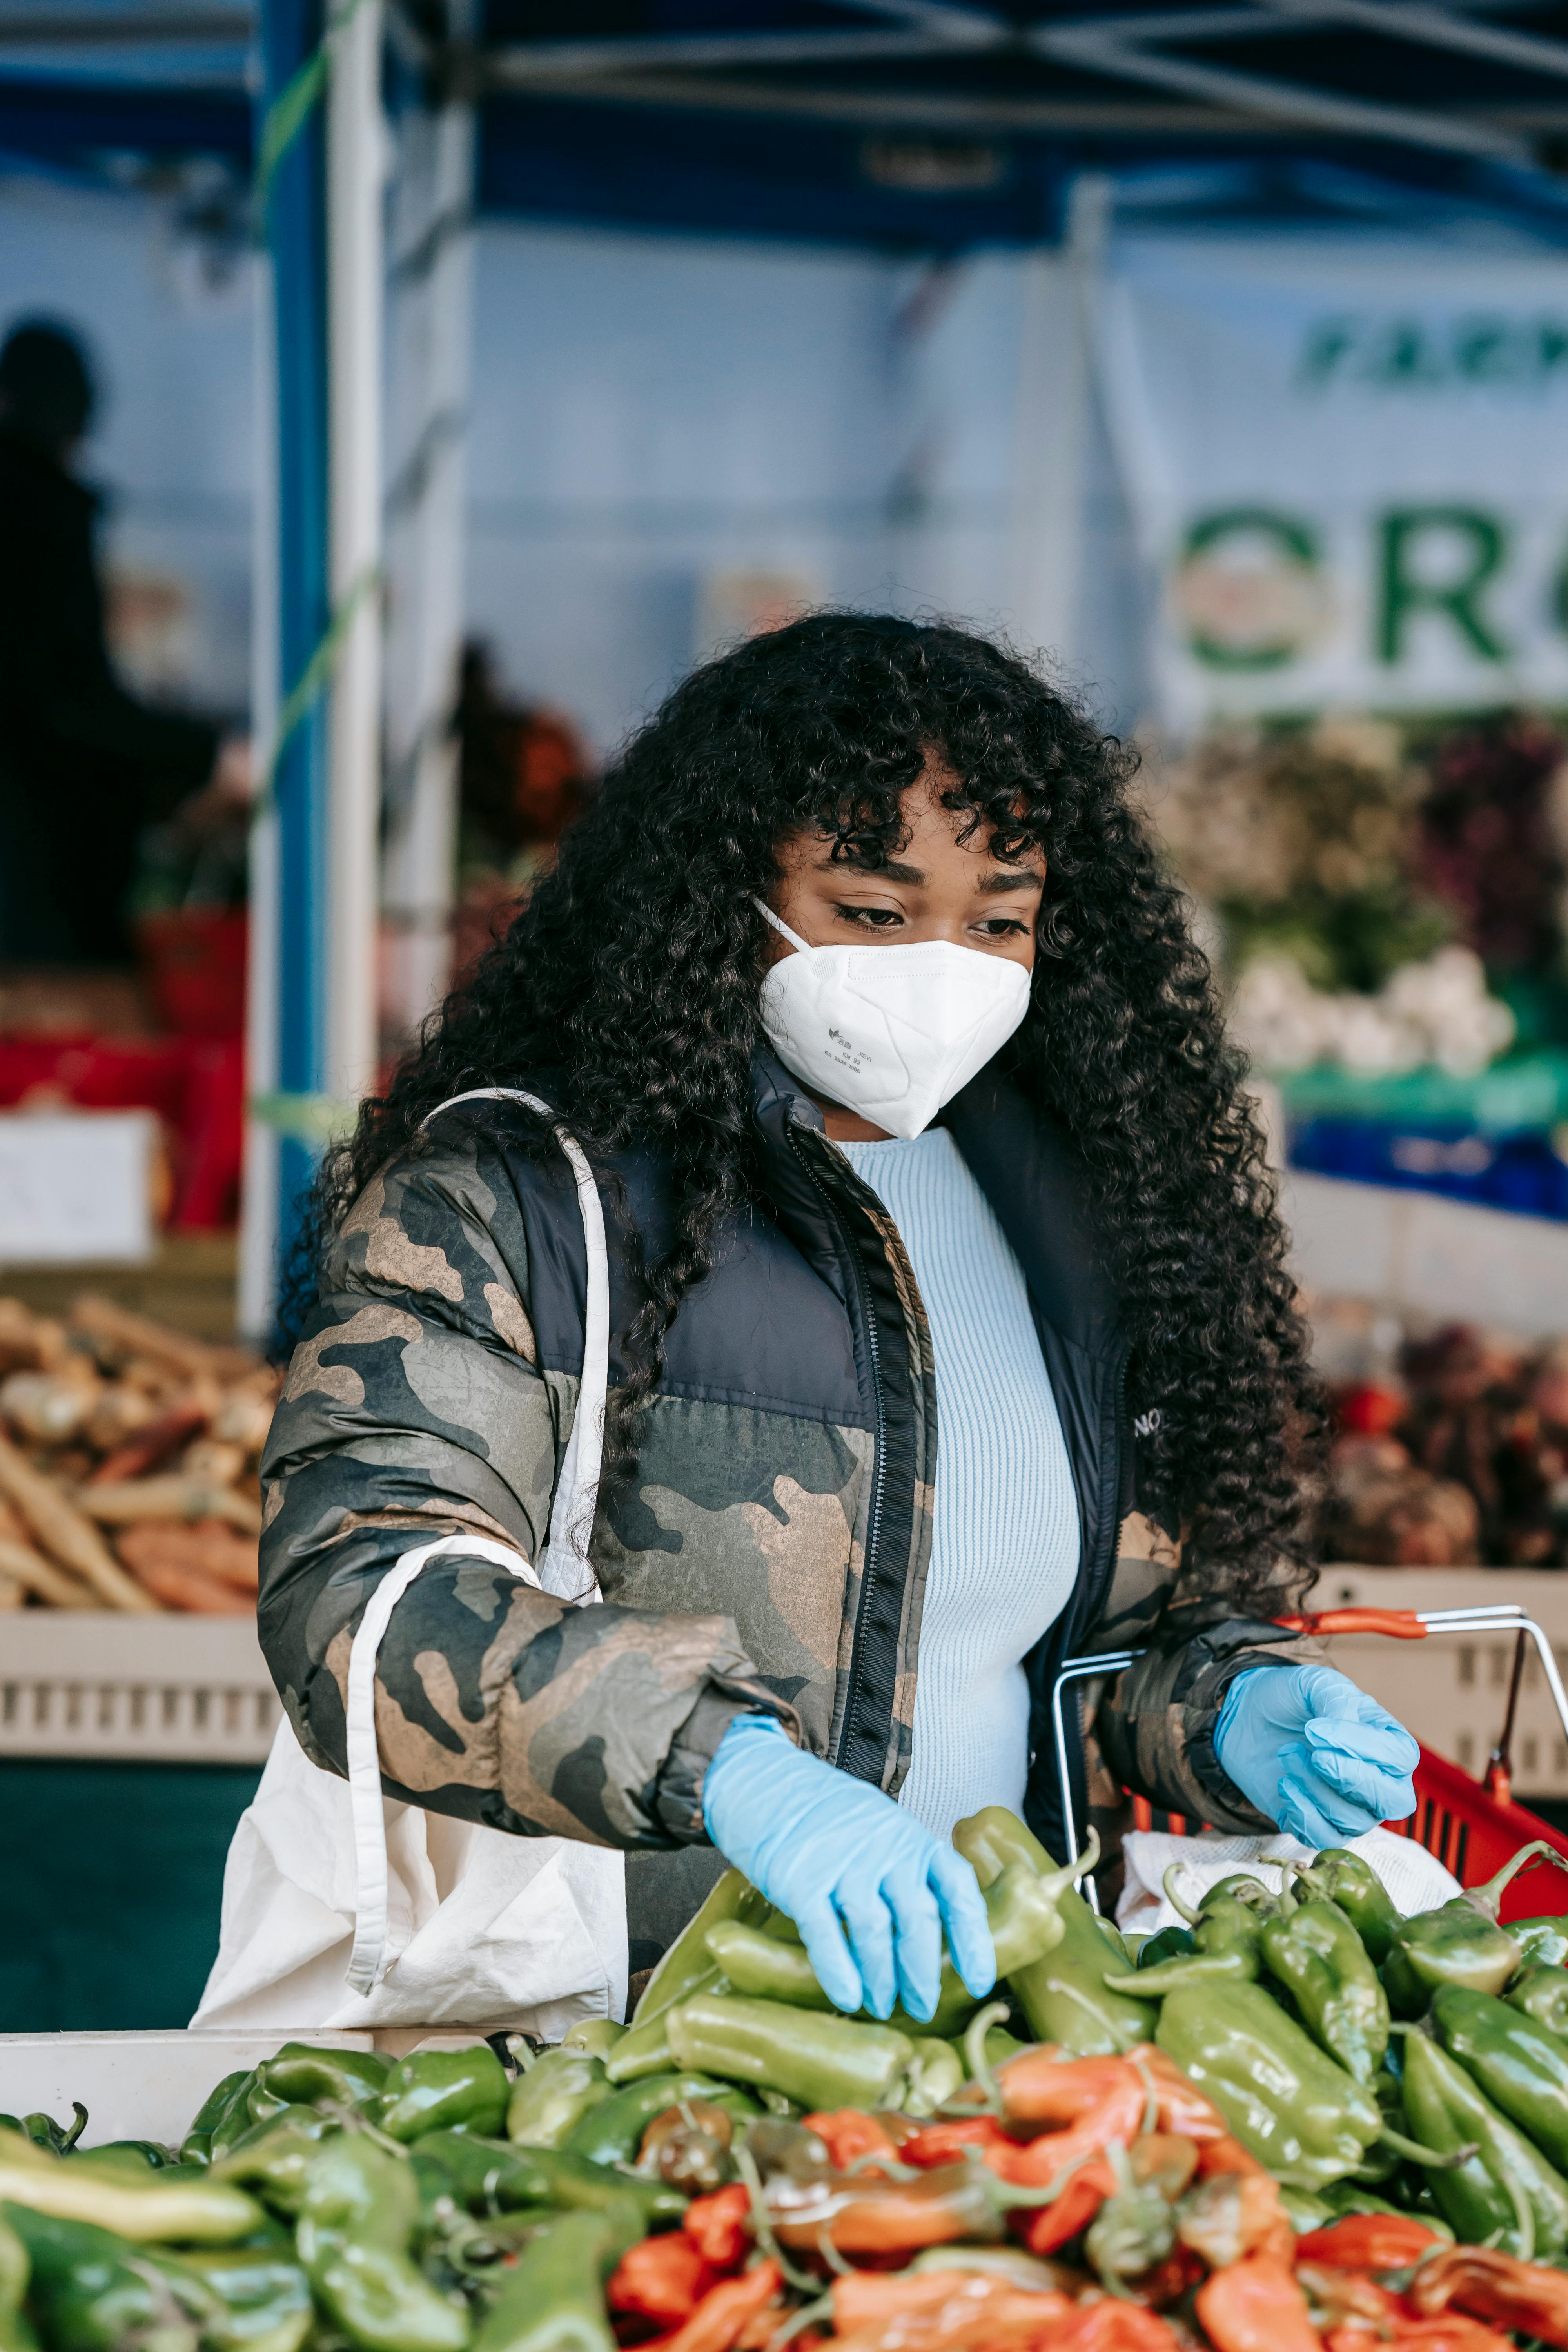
(1314, 1753)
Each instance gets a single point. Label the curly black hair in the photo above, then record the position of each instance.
(632, 976)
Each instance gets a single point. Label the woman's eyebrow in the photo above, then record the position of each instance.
(891, 871)
(1013, 878)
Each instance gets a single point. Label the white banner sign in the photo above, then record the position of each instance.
(1348, 469)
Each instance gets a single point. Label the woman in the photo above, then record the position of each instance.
(902, 1412)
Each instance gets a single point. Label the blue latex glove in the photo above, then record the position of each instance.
(1314, 1753)
(869, 1889)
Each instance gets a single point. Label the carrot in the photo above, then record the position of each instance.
(178, 1587)
(169, 1497)
(151, 1444)
(20, 1564)
(63, 1532)
(1255, 2307)
(209, 1548)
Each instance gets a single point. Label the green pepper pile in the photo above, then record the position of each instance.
(331, 2200)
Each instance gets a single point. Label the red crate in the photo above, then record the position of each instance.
(195, 1086)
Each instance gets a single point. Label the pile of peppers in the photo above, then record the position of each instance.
(1296, 2124)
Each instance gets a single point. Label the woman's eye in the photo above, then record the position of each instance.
(872, 918)
(1003, 927)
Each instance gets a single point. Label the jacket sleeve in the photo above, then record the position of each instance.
(1155, 1723)
(415, 1407)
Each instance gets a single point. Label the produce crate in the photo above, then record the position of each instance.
(167, 1689)
(150, 2085)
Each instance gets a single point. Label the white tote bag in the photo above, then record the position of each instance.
(343, 1908)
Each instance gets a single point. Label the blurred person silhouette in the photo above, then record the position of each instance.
(84, 764)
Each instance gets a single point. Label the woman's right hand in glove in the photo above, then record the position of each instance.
(869, 1889)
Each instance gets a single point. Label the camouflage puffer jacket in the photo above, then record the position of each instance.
(772, 1549)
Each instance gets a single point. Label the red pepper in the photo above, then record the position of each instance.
(1450, 2334)
(849, 2133)
(944, 2311)
(1524, 2298)
(1184, 2108)
(1368, 2241)
(725, 2312)
(1043, 2087)
(1256, 2305)
(662, 2279)
(1118, 2114)
(720, 2226)
(1347, 2298)
(1049, 2229)
(1111, 2327)
(936, 2144)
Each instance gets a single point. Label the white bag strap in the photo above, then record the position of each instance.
(566, 1572)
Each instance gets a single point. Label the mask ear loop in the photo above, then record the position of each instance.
(783, 929)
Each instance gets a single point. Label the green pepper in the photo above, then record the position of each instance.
(258, 2298)
(194, 2208)
(612, 2134)
(1064, 1996)
(1305, 2211)
(1313, 1950)
(1342, 2197)
(1522, 2067)
(273, 2158)
(1134, 2230)
(1347, 1879)
(1458, 1943)
(1304, 2117)
(688, 1962)
(555, 2299)
(301, 2076)
(235, 2120)
(17, 2331)
(90, 2292)
(1541, 1992)
(59, 2139)
(1543, 1942)
(644, 2049)
(825, 2061)
(443, 2090)
(1503, 2192)
(196, 2146)
(937, 2073)
(1167, 1944)
(1225, 1929)
(1020, 1909)
(596, 2035)
(490, 2176)
(555, 2093)
(135, 2157)
(356, 2229)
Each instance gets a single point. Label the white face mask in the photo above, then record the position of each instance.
(890, 1032)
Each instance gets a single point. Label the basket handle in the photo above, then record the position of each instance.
(1399, 1624)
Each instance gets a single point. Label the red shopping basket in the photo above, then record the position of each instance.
(1472, 1827)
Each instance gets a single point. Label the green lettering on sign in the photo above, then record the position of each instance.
(1247, 616)
(1406, 592)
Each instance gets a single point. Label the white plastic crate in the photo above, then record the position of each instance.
(164, 1689)
(1452, 1692)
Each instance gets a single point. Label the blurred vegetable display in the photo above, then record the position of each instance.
(128, 1462)
(1292, 2140)
(1460, 1456)
(1384, 901)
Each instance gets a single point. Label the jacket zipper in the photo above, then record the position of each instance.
(880, 1468)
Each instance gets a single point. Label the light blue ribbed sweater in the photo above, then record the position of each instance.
(1004, 1547)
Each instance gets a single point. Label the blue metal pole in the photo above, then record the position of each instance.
(296, 231)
